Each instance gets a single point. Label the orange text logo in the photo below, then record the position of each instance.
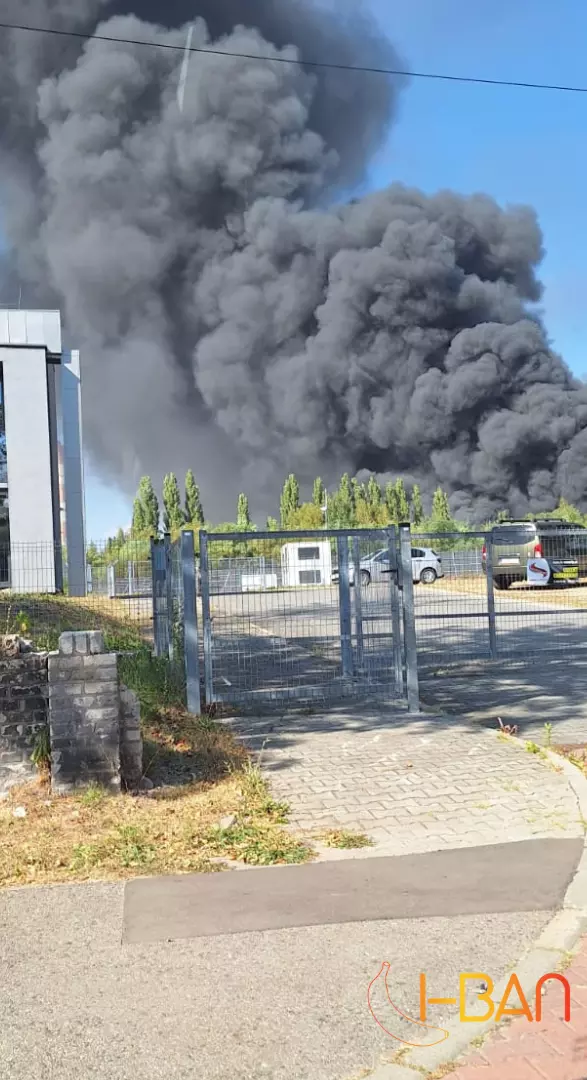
(420, 1033)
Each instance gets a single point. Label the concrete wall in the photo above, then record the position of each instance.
(30, 475)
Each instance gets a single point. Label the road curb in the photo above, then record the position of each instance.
(548, 953)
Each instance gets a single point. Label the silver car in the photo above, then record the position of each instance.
(426, 567)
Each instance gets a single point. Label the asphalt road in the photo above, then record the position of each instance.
(81, 1002)
(267, 642)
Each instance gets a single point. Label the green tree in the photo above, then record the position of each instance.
(149, 514)
(272, 524)
(173, 517)
(567, 512)
(318, 492)
(120, 538)
(139, 525)
(194, 513)
(440, 509)
(403, 506)
(307, 516)
(92, 554)
(373, 496)
(363, 513)
(416, 508)
(145, 517)
(341, 511)
(391, 502)
(290, 499)
(243, 518)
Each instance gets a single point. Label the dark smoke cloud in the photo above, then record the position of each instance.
(236, 312)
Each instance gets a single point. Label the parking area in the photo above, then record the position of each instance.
(276, 631)
(452, 621)
(280, 634)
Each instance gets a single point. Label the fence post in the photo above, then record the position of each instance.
(412, 683)
(358, 601)
(344, 595)
(190, 623)
(168, 595)
(395, 597)
(158, 578)
(490, 597)
(207, 627)
(111, 578)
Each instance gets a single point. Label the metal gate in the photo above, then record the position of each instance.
(484, 606)
(304, 616)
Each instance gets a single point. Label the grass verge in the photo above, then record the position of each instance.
(212, 805)
(44, 618)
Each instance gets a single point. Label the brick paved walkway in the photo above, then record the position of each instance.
(413, 785)
(551, 1050)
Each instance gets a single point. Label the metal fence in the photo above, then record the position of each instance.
(175, 620)
(35, 600)
(127, 578)
(298, 617)
(516, 592)
(289, 616)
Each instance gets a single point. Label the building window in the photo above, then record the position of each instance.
(308, 553)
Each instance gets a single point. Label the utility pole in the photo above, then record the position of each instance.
(324, 509)
(185, 68)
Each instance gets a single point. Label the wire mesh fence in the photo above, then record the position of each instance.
(515, 592)
(299, 616)
(293, 616)
(36, 603)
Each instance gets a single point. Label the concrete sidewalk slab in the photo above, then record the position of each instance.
(496, 878)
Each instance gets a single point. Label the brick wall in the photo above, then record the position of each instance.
(23, 714)
(93, 722)
(84, 713)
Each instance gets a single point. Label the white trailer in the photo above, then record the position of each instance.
(306, 562)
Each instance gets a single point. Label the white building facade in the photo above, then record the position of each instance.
(41, 393)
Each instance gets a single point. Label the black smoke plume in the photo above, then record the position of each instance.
(238, 311)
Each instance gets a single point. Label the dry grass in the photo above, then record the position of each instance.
(205, 776)
(572, 596)
(43, 618)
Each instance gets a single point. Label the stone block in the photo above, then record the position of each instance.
(102, 716)
(131, 740)
(81, 645)
(96, 642)
(106, 660)
(62, 691)
(101, 686)
(66, 644)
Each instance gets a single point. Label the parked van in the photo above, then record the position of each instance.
(561, 544)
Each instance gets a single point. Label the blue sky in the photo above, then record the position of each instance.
(521, 146)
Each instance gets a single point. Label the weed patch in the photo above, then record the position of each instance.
(203, 776)
(341, 838)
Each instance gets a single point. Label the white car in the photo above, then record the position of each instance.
(426, 567)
